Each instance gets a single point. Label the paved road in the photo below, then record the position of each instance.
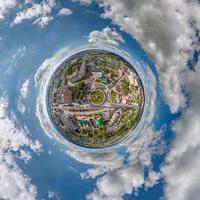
(84, 113)
(118, 81)
(89, 107)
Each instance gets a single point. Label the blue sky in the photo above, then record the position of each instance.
(145, 168)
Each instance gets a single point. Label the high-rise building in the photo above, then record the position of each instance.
(114, 118)
(81, 73)
(70, 123)
(66, 95)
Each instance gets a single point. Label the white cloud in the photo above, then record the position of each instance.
(19, 53)
(23, 94)
(103, 162)
(153, 179)
(116, 178)
(150, 93)
(24, 88)
(12, 61)
(13, 183)
(50, 194)
(83, 2)
(28, 1)
(147, 144)
(64, 12)
(39, 12)
(106, 36)
(140, 153)
(5, 6)
(20, 105)
(51, 3)
(117, 183)
(25, 155)
(43, 21)
(3, 106)
(181, 169)
(53, 195)
(165, 32)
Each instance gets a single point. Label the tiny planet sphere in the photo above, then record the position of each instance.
(95, 98)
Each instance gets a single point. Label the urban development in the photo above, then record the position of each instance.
(95, 98)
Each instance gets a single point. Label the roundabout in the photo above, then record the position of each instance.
(97, 97)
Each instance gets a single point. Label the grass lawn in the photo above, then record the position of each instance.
(97, 97)
(113, 96)
(125, 87)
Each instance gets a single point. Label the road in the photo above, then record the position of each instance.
(89, 107)
(112, 85)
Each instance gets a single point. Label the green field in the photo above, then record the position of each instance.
(125, 87)
(97, 97)
(113, 96)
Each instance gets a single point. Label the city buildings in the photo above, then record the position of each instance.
(114, 118)
(81, 73)
(66, 95)
(96, 98)
(70, 123)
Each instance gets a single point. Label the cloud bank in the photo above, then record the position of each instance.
(116, 175)
(40, 13)
(167, 32)
(181, 170)
(107, 37)
(5, 6)
(14, 144)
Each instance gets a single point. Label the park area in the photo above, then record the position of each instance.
(97, 97)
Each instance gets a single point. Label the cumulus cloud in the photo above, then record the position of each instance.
(148, 143)
(3, 106)
(39, 12)
(83, 2)
(114, 177)
(53, 195)
(23, 94)
(14, 183)
(106, 36)
(5, 6)
(20, 105)
(24, 88)
(129, 178)
(43, 21)
(181, 169)
(117, 183)
(166, 30)
(28, 1)
(65, 12)
(24, 155)
(103, 162)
